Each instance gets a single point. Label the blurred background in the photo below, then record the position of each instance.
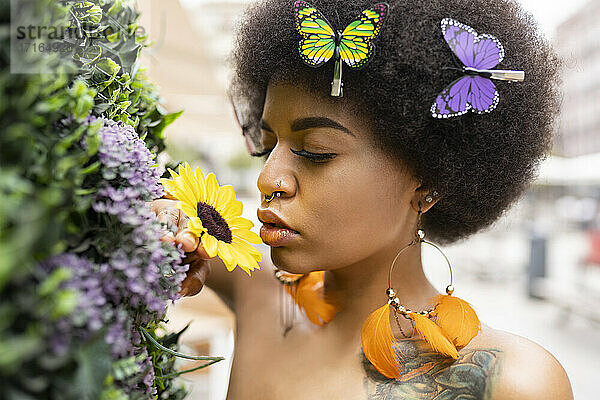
(536, 272)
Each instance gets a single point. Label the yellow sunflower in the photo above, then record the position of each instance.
(215, 217)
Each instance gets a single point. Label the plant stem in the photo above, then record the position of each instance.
(172, 374)
(173, 352)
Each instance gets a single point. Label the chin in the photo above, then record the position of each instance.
(284, 259)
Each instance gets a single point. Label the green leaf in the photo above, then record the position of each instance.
(88, 55)
(91, 168)
(85, 192)
(53, 281)
(113, 37)
(92, 142)
(92, 14)
(93, 365)
(14, 350)
(115, 8)
(109, 68)
(65, 302)
(166, 121)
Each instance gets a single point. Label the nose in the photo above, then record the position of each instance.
(277, 175)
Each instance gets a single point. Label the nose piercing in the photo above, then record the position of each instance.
(268, 199)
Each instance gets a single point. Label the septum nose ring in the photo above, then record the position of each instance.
(278, 193)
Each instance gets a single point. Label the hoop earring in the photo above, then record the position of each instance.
(456, 323)
(308, 293)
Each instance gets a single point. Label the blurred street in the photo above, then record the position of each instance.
(571, 337)
(573, 340)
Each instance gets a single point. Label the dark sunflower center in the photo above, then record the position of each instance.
(214, 222)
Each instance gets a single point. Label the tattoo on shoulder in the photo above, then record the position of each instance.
(428, 375)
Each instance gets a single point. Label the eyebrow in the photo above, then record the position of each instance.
(311, 122)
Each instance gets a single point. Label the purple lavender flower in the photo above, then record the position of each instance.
(125, 157)
(130, 276)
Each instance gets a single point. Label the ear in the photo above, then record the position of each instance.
(421, 195)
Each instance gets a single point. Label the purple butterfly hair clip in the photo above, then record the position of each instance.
(475, 90)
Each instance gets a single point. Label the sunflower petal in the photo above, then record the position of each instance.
(195, 225)
(242, 257)
(234, 209)
(246, 269)
(226, 255)
(187, 209)
(209, 243)
(212, 189)
(240, 222)
(187, 176)
(168, 185)
(226, 194)
(243, 265)
(248, 248)
(173, 173)
(246, 235)
(200, 181)
(183, 191)
(191, 180)
(245, 260)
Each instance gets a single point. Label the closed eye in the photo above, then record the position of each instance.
(315, 157)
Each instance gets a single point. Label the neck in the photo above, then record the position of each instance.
(361, 287)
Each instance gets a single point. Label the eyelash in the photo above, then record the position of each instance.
(314, 157)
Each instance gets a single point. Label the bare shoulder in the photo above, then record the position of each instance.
(525, 369)
(495, 365)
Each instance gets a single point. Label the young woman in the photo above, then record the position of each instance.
(352, 168)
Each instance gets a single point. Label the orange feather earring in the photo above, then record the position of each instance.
(456, 318)
(378, 342)
(308, 293)
(456, 323)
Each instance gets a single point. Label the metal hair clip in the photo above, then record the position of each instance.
(499, 74)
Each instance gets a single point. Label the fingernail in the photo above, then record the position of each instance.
(189, 241)
(168, 237)
(183, 292)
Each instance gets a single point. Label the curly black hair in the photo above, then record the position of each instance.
(480, 164)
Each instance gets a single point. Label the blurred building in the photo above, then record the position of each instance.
(577, 43)
(187, 59)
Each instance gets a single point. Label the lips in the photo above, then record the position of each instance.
(270, 218)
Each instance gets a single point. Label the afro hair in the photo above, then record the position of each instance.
(479, 163)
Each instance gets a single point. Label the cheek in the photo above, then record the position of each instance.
(350, 217)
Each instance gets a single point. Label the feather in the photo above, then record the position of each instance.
(433, 335)
(308, 294)
(378, 343)
(457, 319)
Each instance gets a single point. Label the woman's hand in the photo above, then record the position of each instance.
(195, 254)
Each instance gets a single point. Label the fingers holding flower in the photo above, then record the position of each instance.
(214, 217)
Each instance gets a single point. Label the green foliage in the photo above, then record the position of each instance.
(164, 363)
(45, 176)
(109, 63)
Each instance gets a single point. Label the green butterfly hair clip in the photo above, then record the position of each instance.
(320, 42)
